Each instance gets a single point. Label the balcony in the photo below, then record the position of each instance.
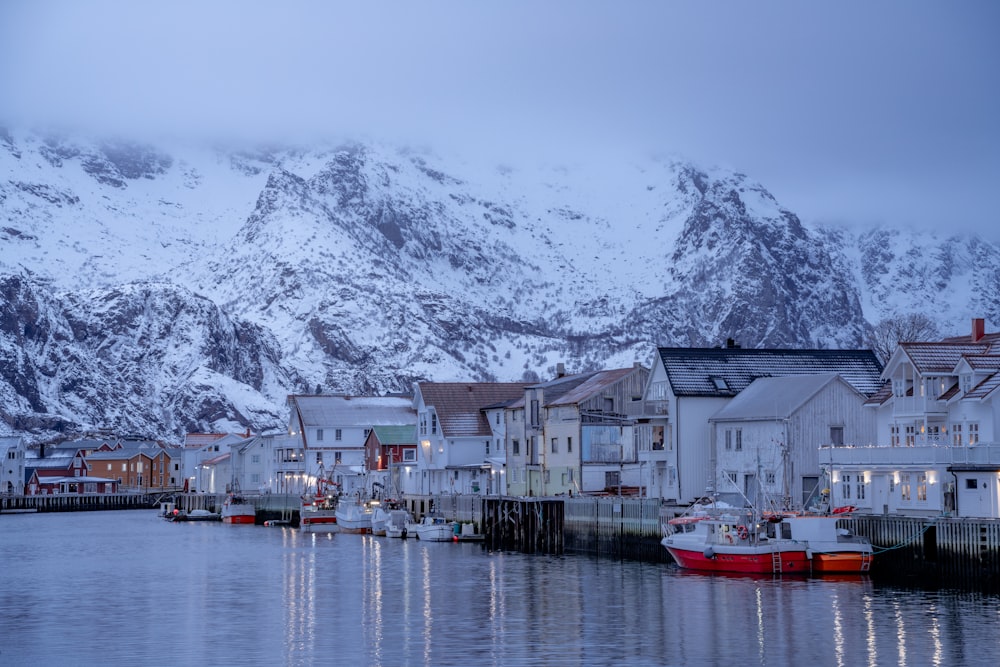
(926, 455)
(918, 406)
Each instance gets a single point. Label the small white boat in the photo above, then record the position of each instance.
(433, 529)
(397, 525)
(194, 515)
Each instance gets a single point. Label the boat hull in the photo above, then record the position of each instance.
(842, 563)
(749, 561)
(318, 522)
(239, 514)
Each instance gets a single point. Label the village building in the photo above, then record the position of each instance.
(388, 451)
(936, 450)
(47, 469)
(332, 430)
(764, 441)
(207, 466)
(575, 434)
(457, 427)
(12, 452)
(134, 465)
(267, 463)
(688, 386)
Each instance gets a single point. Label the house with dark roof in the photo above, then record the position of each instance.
(764, 441)
(688, 386)
(937, 420)
(388, 450)
(457, 432)
(137, 465)
(575, 434)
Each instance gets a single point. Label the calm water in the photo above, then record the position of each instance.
(127, 588)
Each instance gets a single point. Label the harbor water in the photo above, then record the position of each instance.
(128, 588)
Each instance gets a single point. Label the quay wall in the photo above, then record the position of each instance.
(76, 502)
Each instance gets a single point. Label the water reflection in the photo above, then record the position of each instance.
(250, 595)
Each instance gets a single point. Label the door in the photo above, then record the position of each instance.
(750, 488)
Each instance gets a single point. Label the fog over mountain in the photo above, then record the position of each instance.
(161, 289)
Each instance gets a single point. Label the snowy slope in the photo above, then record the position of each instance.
(193, 288)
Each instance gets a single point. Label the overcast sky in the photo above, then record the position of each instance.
(849, 111)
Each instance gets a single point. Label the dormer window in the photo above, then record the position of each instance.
(719, 383)
(966, 381)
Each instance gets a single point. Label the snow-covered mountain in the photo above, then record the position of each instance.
(163, 291)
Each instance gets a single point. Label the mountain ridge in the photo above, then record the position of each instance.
(248, 275)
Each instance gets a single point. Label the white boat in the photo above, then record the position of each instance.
(380, 518)
(353, 517)
(433, 529)
(397, 525)
(194, 515)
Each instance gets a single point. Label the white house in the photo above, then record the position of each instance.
(688, 386)
(12, 459)
(332, 431)
(765, 440)
(575, 434)
(937, 448)
(456, 438)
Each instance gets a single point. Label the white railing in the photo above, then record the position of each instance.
(979, 454)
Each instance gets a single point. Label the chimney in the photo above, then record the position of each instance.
(560, 370)
(731, 344)
(41, 451)
(978, 329)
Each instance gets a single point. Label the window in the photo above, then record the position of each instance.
(498, 417)
(739, 439)
(837, 436)
(515, 446)
(729, 439)
(731, 476)
(319, 458)
(894, 435)
(487, 448)
(956, 435)
(109, 466)
(861, 487)
(534, 412)
(255, 458)
(904, 486)
(434, 422)
(769, 478)
(569, 446)
(336, 457)
(612, 478)
(973, 433)
(255, 478)
(846, 486)
(972, 483)
(338, 435)
(409, 455)
(555, 445)
(922, 486)
(910, 435)
(319, 434)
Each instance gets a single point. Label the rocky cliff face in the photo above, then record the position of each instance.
(167, 291)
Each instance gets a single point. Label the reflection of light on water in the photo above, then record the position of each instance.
(759, 604)
(300, 589)
(935, 632)
(900, 632)
(838, 631)
(428, 615)
(496, 608)
(870, 634)
(372, 551)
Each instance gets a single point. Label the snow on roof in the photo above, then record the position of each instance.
(327, 411)
(941, 357)
(595, 384)
(728, 371)
(776, 397)
(984, 388)
(459, 405)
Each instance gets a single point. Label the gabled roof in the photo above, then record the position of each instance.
(940, 358)
(727, 371)
(776, 397)
(460, 405)
(216, 460)
(396, 435)
(984, 388)
(592, 385)
(55, 461)
(983, 362)
(882, 395)
(330, 411)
